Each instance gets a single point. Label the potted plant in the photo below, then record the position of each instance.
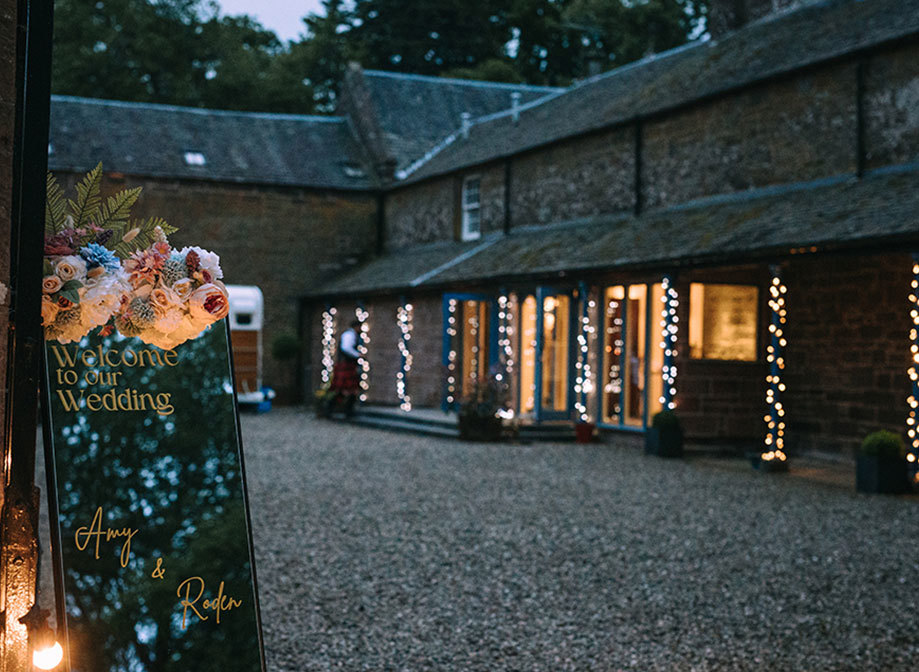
(584, 430)
(664, 437)
(881, 464)
(478, 412)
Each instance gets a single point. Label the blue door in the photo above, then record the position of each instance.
(554, 348)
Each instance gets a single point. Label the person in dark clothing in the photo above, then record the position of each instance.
(346, 378)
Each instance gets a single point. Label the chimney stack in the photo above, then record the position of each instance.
(467, 124)
(515, 106)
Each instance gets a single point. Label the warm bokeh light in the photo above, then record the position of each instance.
(48, 657)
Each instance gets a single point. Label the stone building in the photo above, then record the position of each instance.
(753, 196)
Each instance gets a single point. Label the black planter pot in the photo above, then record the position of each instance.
(880, 475)
(473, 428)
(664, 441)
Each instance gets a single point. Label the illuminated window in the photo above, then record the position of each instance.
(472, 211)
(722, 321)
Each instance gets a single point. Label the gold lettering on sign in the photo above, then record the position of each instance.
(219, 604)
(106, 393)
(85, 534)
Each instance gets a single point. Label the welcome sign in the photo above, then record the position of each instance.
(149, 511)
(152, 513)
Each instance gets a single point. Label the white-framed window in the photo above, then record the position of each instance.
(472, 210)
(723, 321)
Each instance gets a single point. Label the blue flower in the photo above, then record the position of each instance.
(97, 255)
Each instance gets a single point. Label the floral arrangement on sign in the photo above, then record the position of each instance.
(104, 269)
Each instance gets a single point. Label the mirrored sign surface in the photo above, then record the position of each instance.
(153, 523)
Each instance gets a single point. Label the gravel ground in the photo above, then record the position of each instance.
(381, 551)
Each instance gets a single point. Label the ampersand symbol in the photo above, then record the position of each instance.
(158, 571)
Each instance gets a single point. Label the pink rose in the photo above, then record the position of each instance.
(209, 302)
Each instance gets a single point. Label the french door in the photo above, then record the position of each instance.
(633, 360)
(470, 338)
(546, 323)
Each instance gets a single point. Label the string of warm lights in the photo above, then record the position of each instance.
(505, 339)
(474, 350)
(363, 346)
(775, 356)
(506, 305)
(912, 430)
(451, 354)
(583, 383)
(614, 339)
(404, 320)
(669, 330)
(328, 343)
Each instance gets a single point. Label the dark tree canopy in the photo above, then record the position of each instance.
(184, 52)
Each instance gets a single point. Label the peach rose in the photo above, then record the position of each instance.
(49, 311)
(70, 268)
(51, 284)
(165, 298)
(183, 288)
(209, 302)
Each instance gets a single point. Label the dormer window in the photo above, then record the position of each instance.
(472, 211)
(194, 159)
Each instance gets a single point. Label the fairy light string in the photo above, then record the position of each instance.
(669, 331)
(363, 346)
(452, 305)
(774, 448)
(404, 320)
(328, 343)
(912, 430)
(583, 384)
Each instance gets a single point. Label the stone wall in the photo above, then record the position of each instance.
(848, 349)
(790, 131)
(285, 241)
(422, 213)
(583, 177)
(892, 107)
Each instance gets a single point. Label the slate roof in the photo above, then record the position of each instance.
(243, 147)
(415, 112)
(774, 45)
(880, 209)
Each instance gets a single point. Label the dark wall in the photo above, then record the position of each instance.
(848, 349)
(801, 128)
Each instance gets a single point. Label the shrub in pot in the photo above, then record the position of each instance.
(664, 437)
(478, 418)
(881, 464)
(584, 431)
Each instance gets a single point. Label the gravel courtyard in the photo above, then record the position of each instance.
(380, 551)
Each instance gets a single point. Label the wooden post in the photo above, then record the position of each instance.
(25, 62)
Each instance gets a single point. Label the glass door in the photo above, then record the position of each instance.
(527, 350)
(632, 357)
(553, 339)
(469, 344)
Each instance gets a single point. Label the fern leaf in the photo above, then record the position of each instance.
(117, 209)
(141, 234)
(86, 206)
(55, 207)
